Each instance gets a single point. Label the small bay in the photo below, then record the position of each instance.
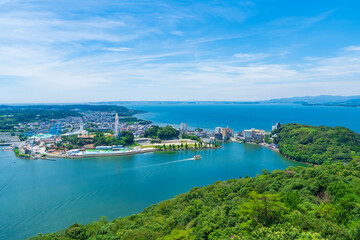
(46, 196)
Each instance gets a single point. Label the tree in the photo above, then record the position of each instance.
(127, 137)
(168, 132)
(264, 208)
(152, 132)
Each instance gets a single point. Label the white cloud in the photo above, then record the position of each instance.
(177, 33)
(118, 49)
(251, 56)
(352, 48)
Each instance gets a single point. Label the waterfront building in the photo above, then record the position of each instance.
(276, 126)
(229, 131)
(218, 129)
(254, 135)
(224, 132)
(248, 135)
(218, 136)
(183, 127)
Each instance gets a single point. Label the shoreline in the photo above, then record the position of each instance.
(122, 153)
(262, 145)
(277, 150)
(102, 154)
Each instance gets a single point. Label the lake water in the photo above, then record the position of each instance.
(46, 196)
(245, 116)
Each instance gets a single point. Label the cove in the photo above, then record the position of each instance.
(47, 196)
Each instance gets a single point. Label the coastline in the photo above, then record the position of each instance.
(102, 154)
(277, 150)
(146, 150)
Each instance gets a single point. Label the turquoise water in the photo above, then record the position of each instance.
(245, 116)
(46, 196)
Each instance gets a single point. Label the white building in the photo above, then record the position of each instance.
(253, 134)
(218, 129)
(248, 135)
(183, 127)
(276, 126)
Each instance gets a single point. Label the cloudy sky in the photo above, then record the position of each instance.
(112, 50)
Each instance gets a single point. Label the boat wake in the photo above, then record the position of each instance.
(167, 163)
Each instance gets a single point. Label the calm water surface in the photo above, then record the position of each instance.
(245, 116)
(46, 196)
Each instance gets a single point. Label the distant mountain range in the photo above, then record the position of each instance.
(323, 100)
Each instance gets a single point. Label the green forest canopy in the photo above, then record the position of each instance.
(167, 132)
(318, 144)
(122, 111)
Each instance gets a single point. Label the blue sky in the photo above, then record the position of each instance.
(80, 51)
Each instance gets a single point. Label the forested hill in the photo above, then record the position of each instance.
(318, 144)
(317, 202)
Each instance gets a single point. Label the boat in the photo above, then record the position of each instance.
(197, 157)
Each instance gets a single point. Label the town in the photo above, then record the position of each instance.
(99, 133)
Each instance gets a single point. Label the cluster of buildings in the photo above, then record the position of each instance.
(223, 133)
(39, 143)
(33, 126)
(227, 134)
(254, 135)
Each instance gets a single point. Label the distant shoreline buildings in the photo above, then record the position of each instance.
(223, 133)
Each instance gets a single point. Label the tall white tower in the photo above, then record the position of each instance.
(116, 125)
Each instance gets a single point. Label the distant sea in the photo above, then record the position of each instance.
(245, 116)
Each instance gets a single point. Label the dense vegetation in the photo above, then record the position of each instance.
(19, 154)
(126, 138)
(163, 133)
(9, 118)
(318, 202)
(74, 142)
(318, 144)
(122, 111)
(192, 137)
